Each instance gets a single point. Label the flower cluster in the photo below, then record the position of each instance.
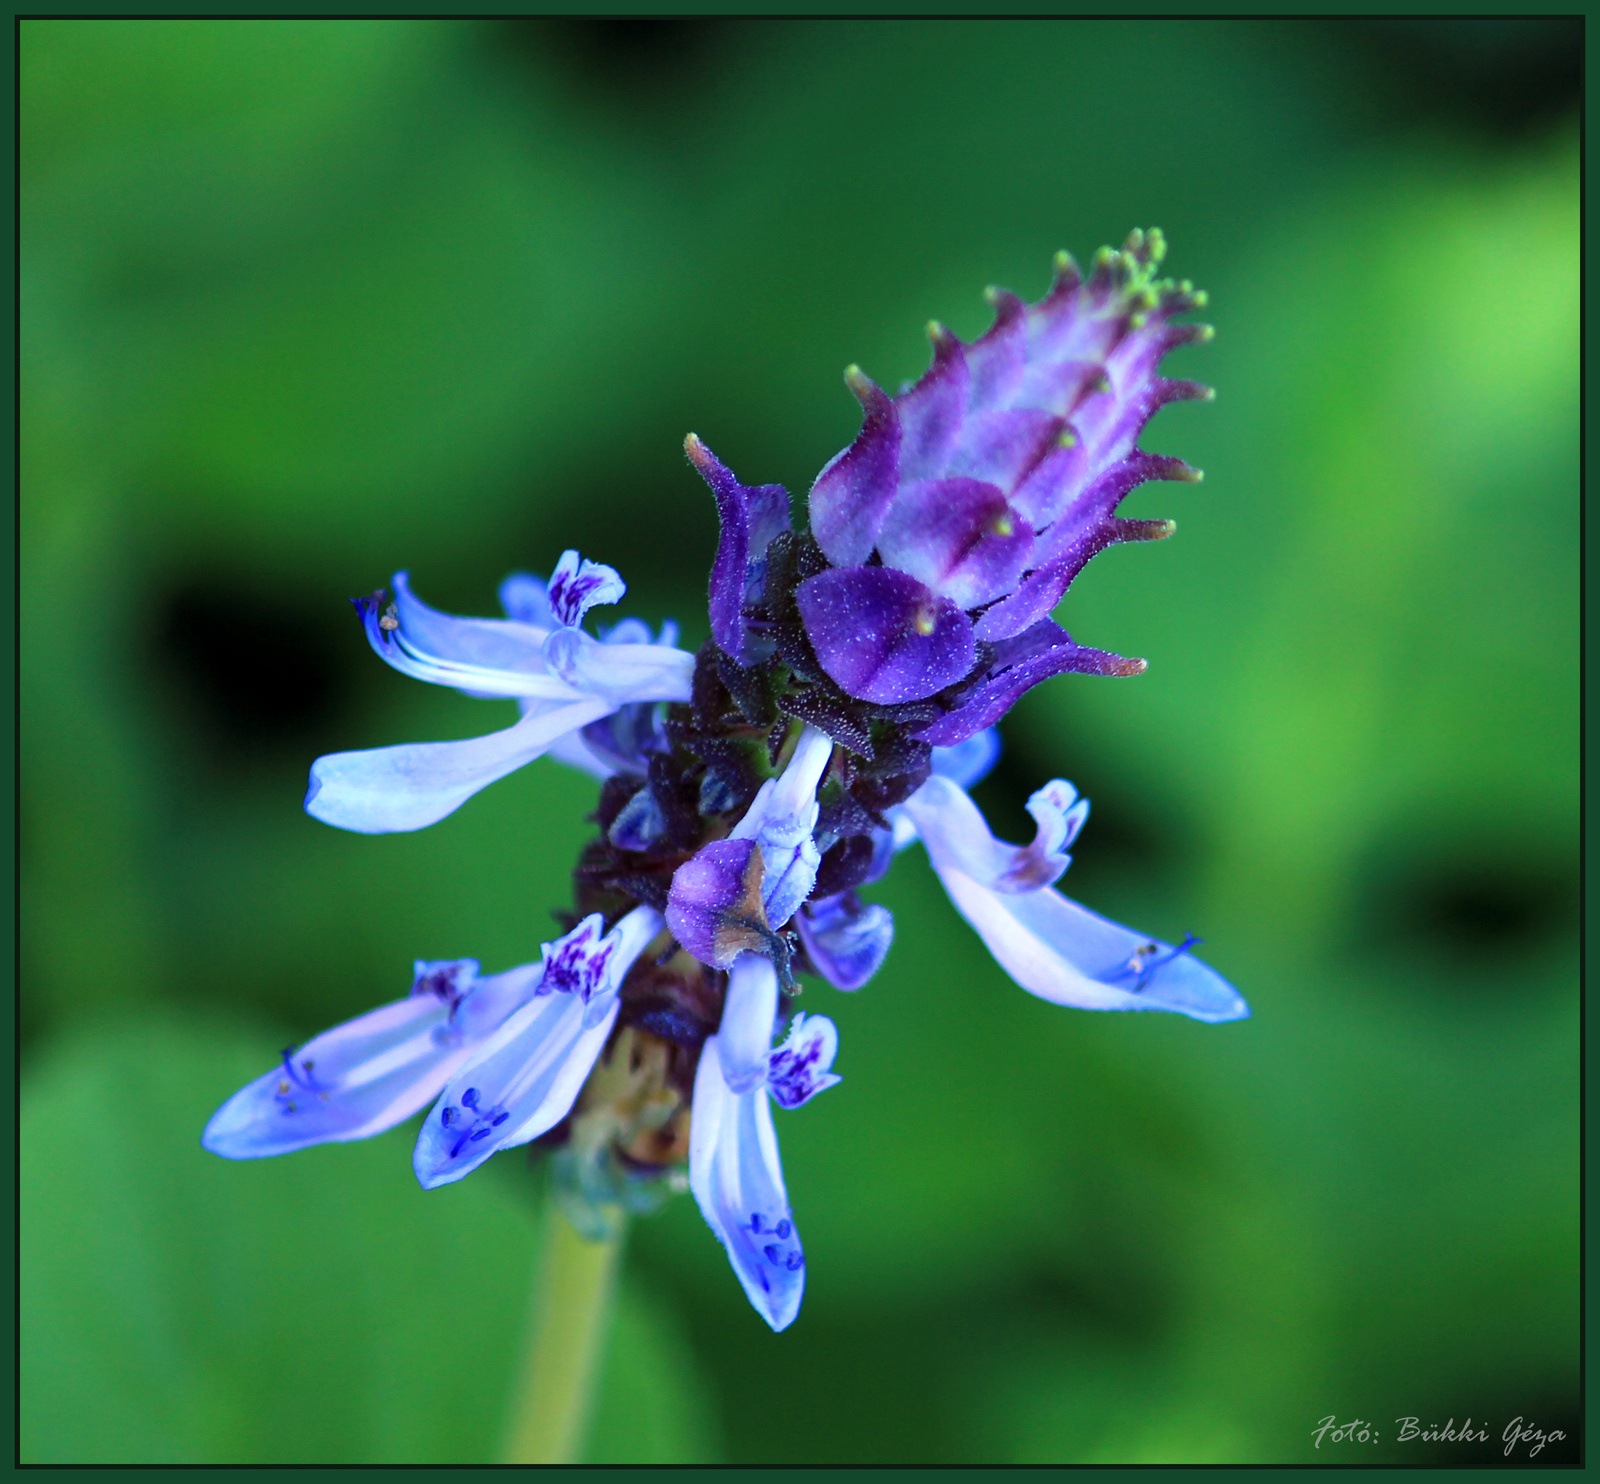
(845, 702)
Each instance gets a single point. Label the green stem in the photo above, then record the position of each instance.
(572, 1303)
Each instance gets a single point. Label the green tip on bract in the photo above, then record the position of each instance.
(859, 382)
(1064, 263)
(1068, 439)
(1204, 334)
(699, 455)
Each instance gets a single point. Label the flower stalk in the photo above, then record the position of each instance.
(574, 1286)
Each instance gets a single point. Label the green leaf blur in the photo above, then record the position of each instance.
(307, 302)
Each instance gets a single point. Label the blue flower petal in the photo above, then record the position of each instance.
(524, 1079)
(748, 1016)
(487, 657)
(782, 819)
(969, 763)
(1051, 946)
(373, 1072)
(418, 783)
(738, 1183)
(845, 940)
(522, 1083)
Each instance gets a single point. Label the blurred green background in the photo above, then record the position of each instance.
(307, 302)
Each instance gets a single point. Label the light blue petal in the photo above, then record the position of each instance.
(622, 672)
(367, 1075)
(487, 643)
(968, 763)
(418, 783)
(1051, 946)
(738, 1183)
(487, 657)
(957, 835)
(749, 1014)
(524, 1079)
(1068, 955)
(845, 940)
(526, 599)
(577, 585)
(523, 1082)
(782, 819)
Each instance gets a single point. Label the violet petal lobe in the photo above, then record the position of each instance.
(882, 636)
(711, 891)
(931, 412)
(750, 515)
(957, 536)
(1003, 445)
(997, 692)
(852, 494)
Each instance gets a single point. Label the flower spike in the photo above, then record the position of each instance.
(750, 793)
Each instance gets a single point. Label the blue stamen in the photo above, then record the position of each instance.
(469, 1099)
